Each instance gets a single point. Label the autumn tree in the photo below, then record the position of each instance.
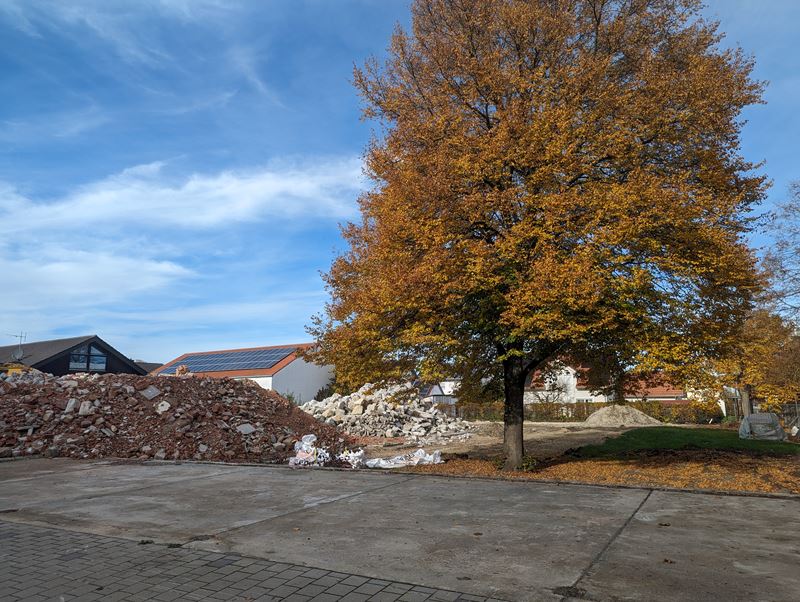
(548, 176)
(764, 362)
(783, 259)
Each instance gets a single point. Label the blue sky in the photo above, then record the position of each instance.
(173, 172)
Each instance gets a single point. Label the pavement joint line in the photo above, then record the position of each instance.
(305, 508)
(401, 471)
(599, 556)
(715, 492)
(47, 473)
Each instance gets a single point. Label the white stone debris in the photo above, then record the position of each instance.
(391, 411)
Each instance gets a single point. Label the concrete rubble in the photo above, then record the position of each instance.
(391, 411)
(172, 418)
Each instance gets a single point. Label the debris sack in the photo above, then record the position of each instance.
(413, 459)
(307, 454)
(766, 426)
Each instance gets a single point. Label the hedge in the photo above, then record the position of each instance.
(683, 413)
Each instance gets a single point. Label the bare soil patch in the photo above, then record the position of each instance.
(542, 440)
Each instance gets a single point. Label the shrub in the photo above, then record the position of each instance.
(325, 392)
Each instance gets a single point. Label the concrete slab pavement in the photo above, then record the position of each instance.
(509, 540)
(684, 546)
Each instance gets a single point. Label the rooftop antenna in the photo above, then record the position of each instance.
(18, 354)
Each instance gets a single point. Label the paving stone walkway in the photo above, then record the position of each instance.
(39, 563)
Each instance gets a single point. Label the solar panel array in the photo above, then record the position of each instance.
(248, 359)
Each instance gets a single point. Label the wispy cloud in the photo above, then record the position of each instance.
(214, 101)
(147, 195)
(79, 278)
(134, 250)
(247, 63)
(121, 25)
(61, 124)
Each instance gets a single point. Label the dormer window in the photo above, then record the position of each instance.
(87, 358)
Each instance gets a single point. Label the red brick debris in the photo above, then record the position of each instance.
(173, 418)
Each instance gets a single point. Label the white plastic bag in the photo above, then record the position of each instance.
(307, 454)
(412, 459)
(354, 458)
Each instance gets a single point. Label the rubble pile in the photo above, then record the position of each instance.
(392, 411)
(129, 416)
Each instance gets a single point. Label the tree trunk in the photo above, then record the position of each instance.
(514, 376)
(747, 404)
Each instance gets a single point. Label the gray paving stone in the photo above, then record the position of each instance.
(355, 580)
(46, 563)
(384, 596)
(411, 596)
(369, 589)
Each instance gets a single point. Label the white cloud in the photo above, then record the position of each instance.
(80, 279)
(178, 328)
(134, 256)
(146, 195)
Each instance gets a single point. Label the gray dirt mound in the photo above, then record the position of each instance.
(617, 415)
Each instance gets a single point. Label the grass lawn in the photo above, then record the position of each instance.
(675, 438)
(708, 459)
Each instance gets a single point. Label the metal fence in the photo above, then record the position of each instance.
(790, 413)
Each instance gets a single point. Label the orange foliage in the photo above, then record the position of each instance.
(550, 177)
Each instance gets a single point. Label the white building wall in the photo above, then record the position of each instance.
(302, 379)
(450, 386)
(265, 382)
(563, 389)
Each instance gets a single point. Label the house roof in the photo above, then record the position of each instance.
(36, 353)
(653, 386)
(430, 390)
(148, 366)
(33, 353)
(246, 362)
(642, 389)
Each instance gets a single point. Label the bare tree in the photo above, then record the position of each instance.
(783, 259)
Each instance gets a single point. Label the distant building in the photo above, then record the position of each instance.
(440, 393)
(148, 366)
(88, 353)
(568, 384)
(278, 368)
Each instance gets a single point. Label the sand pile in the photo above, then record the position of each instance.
(619, 415)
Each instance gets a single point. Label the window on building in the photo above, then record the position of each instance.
(87, 358)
